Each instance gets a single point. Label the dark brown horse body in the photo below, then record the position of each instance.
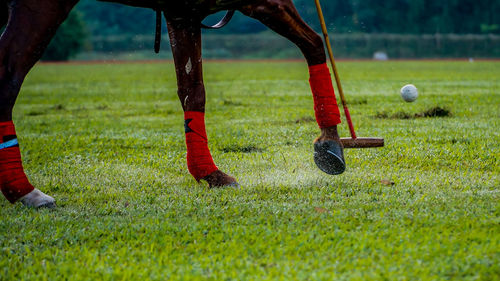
(32, 23)
(193, 7)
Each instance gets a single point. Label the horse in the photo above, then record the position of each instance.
(30, 25)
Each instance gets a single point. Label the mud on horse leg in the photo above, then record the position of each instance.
(185, 38)
(30, 26)
(282, 17)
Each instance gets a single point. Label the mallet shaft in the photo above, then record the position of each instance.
(335, 72)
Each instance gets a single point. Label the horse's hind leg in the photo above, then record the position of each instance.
(31, 24)
(185, 39)
(282, 17)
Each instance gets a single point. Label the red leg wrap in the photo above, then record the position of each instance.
(13, 181)
(325, 104)
(200, 162)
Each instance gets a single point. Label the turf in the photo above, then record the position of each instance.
(107, 142)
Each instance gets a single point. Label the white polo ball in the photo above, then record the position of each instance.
(409, 93)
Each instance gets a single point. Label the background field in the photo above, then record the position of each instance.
(107, 142)
(268, 45)
(400, 28)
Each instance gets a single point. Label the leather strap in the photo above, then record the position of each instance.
(158, 31)
(225, 20)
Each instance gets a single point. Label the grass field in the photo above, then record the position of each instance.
(107, 142)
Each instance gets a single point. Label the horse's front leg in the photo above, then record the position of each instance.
(185, 38)
(282, 17)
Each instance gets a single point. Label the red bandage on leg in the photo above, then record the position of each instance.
(13, 181)
(199, 160)
(325, 104)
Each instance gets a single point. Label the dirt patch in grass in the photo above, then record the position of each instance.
(242, 149)
(102, 107)
(231, 102)
(306, 119)
(44, 111)
(35, 113)
(436, 112)
(357, 101)
(433, 112)
(58, 107)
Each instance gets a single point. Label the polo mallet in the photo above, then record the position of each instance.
(353, 141)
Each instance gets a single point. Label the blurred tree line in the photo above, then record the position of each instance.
(69, 39)
(376, 16)
(92, 19)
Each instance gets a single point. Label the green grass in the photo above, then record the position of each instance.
(107, 142)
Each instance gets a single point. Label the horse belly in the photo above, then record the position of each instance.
(186, 7)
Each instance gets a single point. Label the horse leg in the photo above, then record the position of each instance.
(185, 38)
(282, 17)
(31, 24)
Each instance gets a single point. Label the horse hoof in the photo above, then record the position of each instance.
(219, 179)
(229, 182)
(329, 157)
(38, 199)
